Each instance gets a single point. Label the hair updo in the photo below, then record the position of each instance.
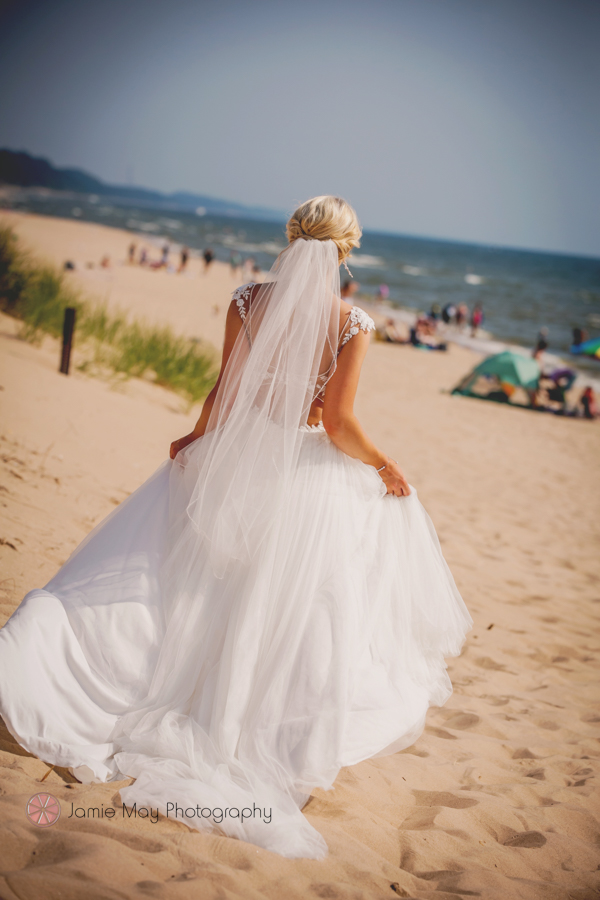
(323, 219)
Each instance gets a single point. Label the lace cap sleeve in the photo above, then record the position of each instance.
(241, 297)
(358, 320)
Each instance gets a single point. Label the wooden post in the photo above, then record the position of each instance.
(68, 328)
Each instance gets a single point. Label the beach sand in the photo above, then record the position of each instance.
(498, 798)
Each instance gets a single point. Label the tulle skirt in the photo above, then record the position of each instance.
(229, 695)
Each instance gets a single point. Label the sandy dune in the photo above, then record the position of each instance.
(499, 798)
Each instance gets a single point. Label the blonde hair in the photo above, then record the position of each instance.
(323, 219)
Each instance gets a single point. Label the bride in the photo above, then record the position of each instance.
(271, 605)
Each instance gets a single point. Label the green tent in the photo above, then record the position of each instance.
(512, 368)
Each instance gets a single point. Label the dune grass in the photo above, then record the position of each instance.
(38, 294)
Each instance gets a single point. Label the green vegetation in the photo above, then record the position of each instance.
(38, 294)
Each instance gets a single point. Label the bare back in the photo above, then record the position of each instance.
(352, 320)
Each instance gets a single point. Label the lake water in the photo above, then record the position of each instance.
(520, 291)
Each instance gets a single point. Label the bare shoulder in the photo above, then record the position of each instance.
(345, 308)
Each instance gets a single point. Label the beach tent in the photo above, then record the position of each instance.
(588, 348)
(510, 368)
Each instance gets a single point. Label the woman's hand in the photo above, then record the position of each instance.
(176, 446)
(394, 479)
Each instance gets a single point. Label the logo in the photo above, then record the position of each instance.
(43, 810)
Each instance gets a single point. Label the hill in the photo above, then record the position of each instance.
(22, 169)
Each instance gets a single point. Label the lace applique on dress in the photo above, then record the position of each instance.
(319, 428)
(358, 320)
(241, 296)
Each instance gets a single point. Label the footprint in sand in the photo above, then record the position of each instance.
(420, 819)
(538, 774)
(495, 701)
(441, 733)
(523, 753)
(531, 840)
(461, 721)
(590, 718)
(484, 662)
(443, 798)
(412, 751)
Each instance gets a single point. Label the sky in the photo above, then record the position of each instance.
(473, 120)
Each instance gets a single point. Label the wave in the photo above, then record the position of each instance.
(363, 260)
(143, 226)
(270, 247)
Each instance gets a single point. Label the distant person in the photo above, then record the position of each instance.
(143, 257)
(557, 384)
(476, 319)
(131, 253)
(461, 315)
(389, 332)
(579, 336)
(448, 313)
(425, 325)
(348, 290)
(69, 266)
(256, 271)
(383, 292)
(247, 267)
(208, 257)
(183, 259)
(105, 262)
(436, 312)
(541, 345)
(235, 263)
(588, 404)
(164, 259)
(418, 339)
(413, 337)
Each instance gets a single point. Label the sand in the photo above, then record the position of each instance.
(498, 798)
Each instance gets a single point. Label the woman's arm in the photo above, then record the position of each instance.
(233, 327)
(343, 427)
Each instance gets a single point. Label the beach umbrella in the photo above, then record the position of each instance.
(588, 348)
(511, 368)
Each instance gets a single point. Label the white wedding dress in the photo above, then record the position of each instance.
(223, 688)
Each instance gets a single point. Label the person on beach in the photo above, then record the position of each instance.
(423, 340)
(389, 332)
(208, 257)
(235, 263)
(476, 319)
(448, 313)
(541, 345)
(248, 267)
(270, 605)
(461, 315)
(183, 259)
(579, 336)
(131, 253)
(588, 403)
(164, 258)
